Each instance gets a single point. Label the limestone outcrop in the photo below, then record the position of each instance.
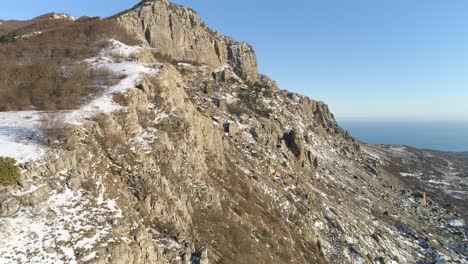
(202, 161)
(177, 33)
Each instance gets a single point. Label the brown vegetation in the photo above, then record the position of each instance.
(43, 71)
(82, 39)
(36, 24)
(48, 85)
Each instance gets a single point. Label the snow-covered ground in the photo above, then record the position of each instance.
(17, 136)
(132, 70)
(68, 222)
(18, 133)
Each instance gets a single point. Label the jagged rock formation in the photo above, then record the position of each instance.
(207, 161)
(178, 33)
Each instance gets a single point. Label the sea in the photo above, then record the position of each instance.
(451, 136)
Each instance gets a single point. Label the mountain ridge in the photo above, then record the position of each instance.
(195, 157)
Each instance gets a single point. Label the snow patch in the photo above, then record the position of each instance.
(68, 221)
(131, 69)
(119, 49)
(32, 189)
(456, 222)
(89, 257)
(409, 174)
(18, 138)
(222, 68)
(62, 16)
(29, 35)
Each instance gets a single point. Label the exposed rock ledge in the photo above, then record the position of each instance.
(179, 34)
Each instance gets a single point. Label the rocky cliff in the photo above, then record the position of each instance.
(178, 33)
(203, 160)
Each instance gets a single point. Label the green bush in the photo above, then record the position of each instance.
(8, 38)
(253, 97)
(9, 172)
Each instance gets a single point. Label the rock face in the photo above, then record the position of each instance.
(8, 206)
(206, 161)
(177, 33)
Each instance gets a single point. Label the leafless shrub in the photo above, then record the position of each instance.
(53, 127)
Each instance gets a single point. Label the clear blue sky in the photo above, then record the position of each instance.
(365, 58)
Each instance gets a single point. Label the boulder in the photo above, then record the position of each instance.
(231, 128)
(294, 142)
(309, 106)
(225, 74)
(9, 206)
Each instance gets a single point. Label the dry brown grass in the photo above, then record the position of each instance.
(79, 40)
(43, 72)
(49, 85)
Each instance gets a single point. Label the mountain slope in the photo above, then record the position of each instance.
(37, 24)
(197, 158)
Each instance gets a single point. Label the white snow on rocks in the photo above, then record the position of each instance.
(31, 189)
(222, 68)
(118, 49)
(456, 222)
(409, 174)
(62, 16)
(29, 35)
(68, 222)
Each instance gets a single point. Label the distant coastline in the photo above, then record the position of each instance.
(450, 136)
